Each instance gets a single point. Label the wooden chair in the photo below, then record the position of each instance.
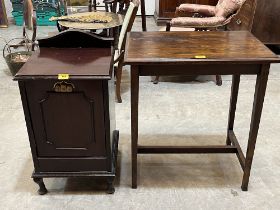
(119, 51)
(206, 17)
(29, 24)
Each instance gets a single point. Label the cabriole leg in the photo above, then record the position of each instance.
(42, 188)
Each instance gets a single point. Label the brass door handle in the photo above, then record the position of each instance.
(63, 87)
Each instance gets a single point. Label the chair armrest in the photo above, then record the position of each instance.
(205, 10)
(190, 22)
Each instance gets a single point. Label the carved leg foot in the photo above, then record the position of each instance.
(156, 80)
(42, 190)
(110, 189)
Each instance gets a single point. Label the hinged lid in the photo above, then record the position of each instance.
(78, 54)
(79, 63)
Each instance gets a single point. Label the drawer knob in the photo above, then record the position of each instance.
(238, 22)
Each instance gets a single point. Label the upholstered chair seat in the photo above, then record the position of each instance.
(205, 15)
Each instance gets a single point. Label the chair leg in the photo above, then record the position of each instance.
(219, 81)
(156, 80)
(106, 7)
(118, 83)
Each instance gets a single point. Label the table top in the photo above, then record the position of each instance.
(184, 47)
(81, 63)
(117, 20)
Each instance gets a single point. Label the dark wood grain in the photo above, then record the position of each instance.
(70, 122)
(267, 21)
(182, 47)
(245, 17)
(188, 68)
(262, 18)
(75, 62)
(172, 53)
(56, 120)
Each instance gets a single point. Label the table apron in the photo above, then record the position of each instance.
(190, 69)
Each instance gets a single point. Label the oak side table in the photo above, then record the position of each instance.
(200, 53)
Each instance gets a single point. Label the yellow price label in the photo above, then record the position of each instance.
(200, 56)
(63, 76)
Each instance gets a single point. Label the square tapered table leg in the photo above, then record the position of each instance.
(255, 121)
(134, 121)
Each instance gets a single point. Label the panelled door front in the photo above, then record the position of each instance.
(67, 117)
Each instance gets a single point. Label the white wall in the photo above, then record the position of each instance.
(150, 7)
(9, 8)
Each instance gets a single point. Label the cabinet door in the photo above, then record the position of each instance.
(166, 8)
(67, 124)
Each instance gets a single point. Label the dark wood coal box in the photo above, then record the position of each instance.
(67, 93)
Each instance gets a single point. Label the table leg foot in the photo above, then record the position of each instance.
(134, 173)
(244, 188)
(134, 122)
(143, 15)
(219, 80)
(134, 186)
(260, 89)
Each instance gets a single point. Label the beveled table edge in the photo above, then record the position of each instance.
(172, 61)
(55, 77)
